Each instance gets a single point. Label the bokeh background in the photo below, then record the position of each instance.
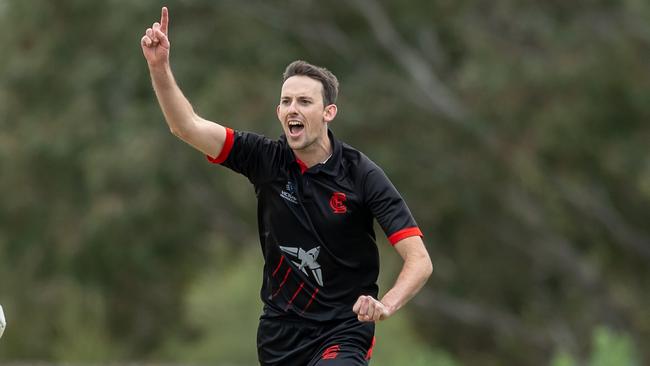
(516, 130)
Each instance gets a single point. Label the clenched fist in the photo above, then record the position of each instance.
(369, 309)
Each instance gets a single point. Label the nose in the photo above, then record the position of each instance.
(291, 109)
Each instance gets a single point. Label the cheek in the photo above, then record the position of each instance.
(315, 118)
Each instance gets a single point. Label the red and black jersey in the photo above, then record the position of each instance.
(316, 224)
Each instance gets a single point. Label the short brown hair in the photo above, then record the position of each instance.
(327, 79)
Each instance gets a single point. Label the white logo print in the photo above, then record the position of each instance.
(289, 192)
(307, 259)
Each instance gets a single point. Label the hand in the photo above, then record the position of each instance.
(369, 309)
(155, 43)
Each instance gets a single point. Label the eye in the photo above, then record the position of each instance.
(305, 101)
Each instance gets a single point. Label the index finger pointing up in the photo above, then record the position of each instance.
(164, 20)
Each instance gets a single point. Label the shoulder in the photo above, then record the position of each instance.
(256, 137)
(251, 141)
(363, 171)
(257, 157)
(356, 161)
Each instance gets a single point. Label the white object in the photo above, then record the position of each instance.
(3, 323)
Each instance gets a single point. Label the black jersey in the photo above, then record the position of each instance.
(316, 224)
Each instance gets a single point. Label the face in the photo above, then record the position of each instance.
(302, 114)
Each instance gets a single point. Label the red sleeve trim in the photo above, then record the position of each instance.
(225, 150)
(404, 233)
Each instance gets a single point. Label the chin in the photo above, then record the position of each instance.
(297, 145)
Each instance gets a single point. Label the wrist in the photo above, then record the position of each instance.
(158, 68)
(390, 307)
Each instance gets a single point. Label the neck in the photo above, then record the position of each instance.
(316, 153)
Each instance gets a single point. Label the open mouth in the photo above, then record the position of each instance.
(295, 128)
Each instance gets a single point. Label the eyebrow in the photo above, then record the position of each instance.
(298, 97)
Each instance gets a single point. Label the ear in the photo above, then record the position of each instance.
(330, 112)
(277, 112)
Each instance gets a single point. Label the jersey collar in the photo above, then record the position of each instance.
(330, 167)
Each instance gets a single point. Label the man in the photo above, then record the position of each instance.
(317, 198)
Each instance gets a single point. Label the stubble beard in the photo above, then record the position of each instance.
(301, 145)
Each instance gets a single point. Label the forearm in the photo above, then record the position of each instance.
(177, 110)
(416, 270)
(206, 136)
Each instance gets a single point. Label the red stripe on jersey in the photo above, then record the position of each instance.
(404, 233)
(286, 275)
(278, 267)
(369, 354)
(225, 150)
(302, 284)
(310, 301)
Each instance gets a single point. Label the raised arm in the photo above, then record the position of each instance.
(183, 122)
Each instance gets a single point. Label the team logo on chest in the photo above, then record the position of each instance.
(289, 192)
(307, 260)
(337, 203)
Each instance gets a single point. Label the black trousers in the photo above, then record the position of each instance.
(282, 342)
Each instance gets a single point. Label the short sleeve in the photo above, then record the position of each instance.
(388, 206)
(254, 156)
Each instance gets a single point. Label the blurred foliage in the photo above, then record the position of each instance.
(609, 348)
(516, 130)
(224, 309)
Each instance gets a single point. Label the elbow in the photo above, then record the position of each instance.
(177, 132)
(428, 267)
(182, 126)
(181, 130)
